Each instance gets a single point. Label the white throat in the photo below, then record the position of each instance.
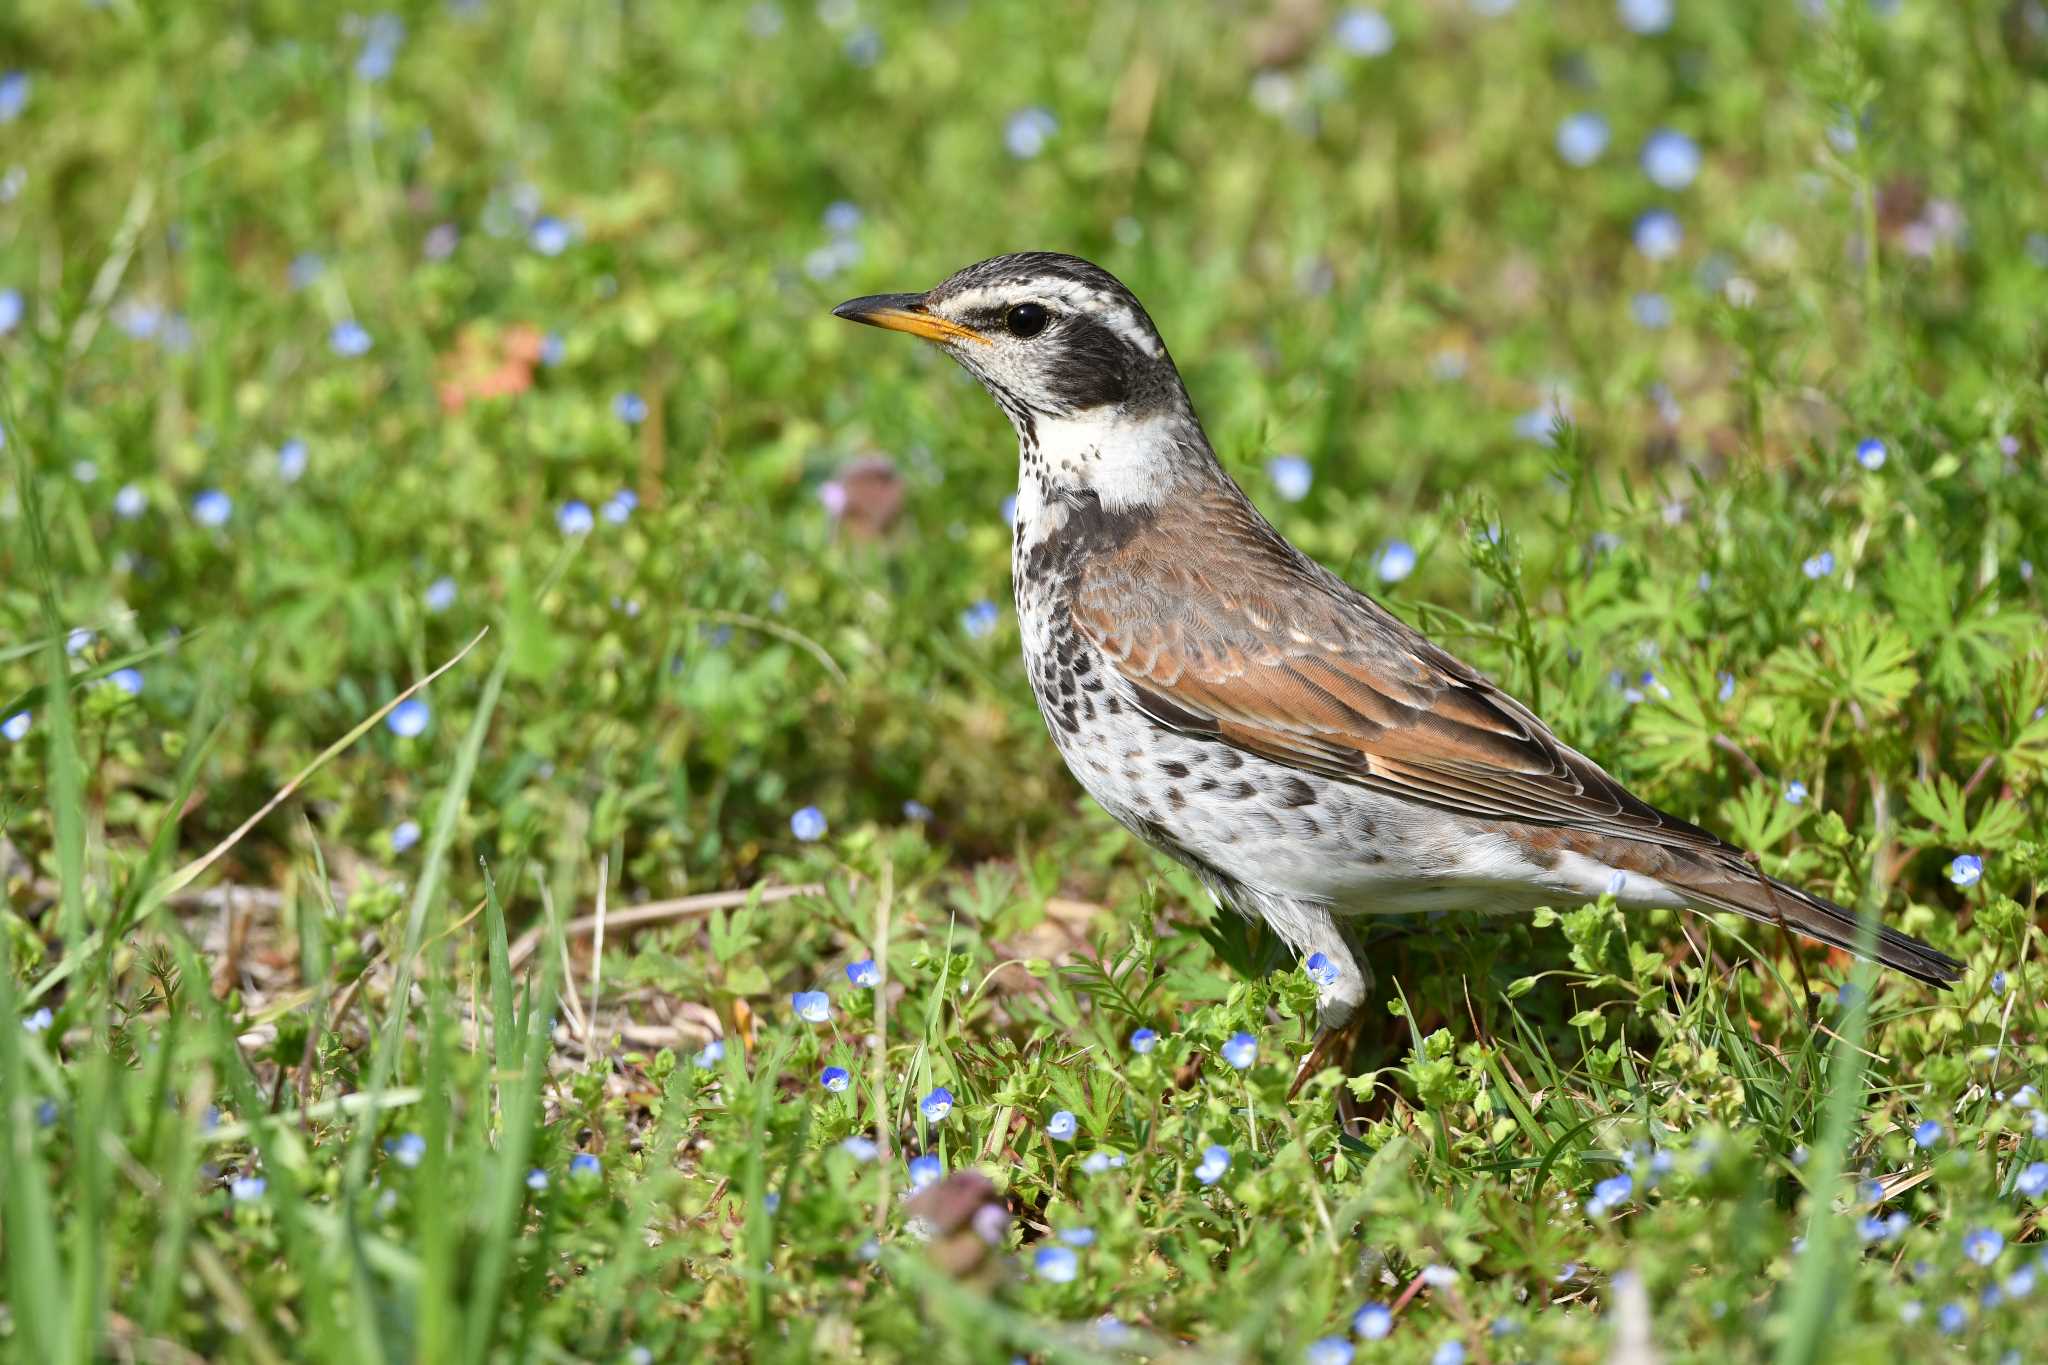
(1124, 461)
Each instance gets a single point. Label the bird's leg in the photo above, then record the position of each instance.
(1342, 985)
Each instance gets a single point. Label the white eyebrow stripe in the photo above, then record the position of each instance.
(1112, 311)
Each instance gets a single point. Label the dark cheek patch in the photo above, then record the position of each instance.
(1088, 366)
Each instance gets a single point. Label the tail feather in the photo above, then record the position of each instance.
(1770, 901)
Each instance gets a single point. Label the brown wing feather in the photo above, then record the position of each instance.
(1263, 648)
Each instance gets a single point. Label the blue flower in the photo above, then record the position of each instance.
(937, 1105)
(834, 1079)
(1615, 1189)
(407, 1150)
(1008, 509)
(291, 460)
(1061, 1126)
(1364, 33)
(864, 973)
(1373, 1321)
(813, 1007)
(1241, 1051)
(408, 719)
(1027, 132)
(630, 408)
(1658, 234)
(306, 267)
(619, 506)
(404, 835)
(246, 1189)
(1142, 1041)
(39, 1021)
(1820, 565)
(861, 1149)
(842, 218)
(771, 1201)
(1726, 690)
(1055, 1265)
(1581, 138)
(1291, 475)
(1078, 1237)
(574, 518)
(78, 641)
(1926, 1133)
(1645, 16)
(1873, 1229)
(15, 727)
(2033, 1180)
(1952, 1318)
(348, 338)
(1670, 159)
(584, 1164)
(979, 620)
(128, 680)
(924, 1170)
(11, 310)
(808, 824)
(550, 236)
(130, 502)
(1795, 793)
(381, 39)
(1652, 311)
(709, 1055)
(1870, 453)
(212, 508)
(1982, 1245)
(1215, 1161)
(440, 594)
(1329, 1351)
(1998, 982)
(2020, 1283)
(1098, 1161)
(1321, 970)
(1966, 869)
(918, 812)
(1450, 1353)
(1395, 561)
(537, 1180)
(14, 88)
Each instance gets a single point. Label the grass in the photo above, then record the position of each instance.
(461, 1051)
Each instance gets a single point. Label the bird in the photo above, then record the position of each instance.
(1313, 759)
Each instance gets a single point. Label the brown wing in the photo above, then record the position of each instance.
(1227, 630)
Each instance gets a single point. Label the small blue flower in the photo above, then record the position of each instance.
(835, 1079)
(979, 620)
(1329, 1351)
(1055, 1265)
(1926, 1133)
(1373, 1321)
(1321, 970)
(813, 1007)
(291, 460)
(11, 310)
(247, 1189)
(1652, 311)
(1795, 793)
(1061, 1126)
(1645, 16)
(1820, 565)
(918, 812)
(306, 267)
(2020, 1283)
(14, 88)
(1215, 1161)
(1292, 476)
(440, 594)
(128, 680)
(550, 236)
(39, 1021)
(1581, 138)
(937, 1105)
(1982, 1245)
(1870, 453)
(1241, 1051)
(408, 719)
(709, 1055)
(842, 218)
(1364, 33)
(925, 1170)
(1952, 1318)
(861, 1149)
(584, 1164)
(1009, 510)
(808, 824)
(1395, 561)
(1658, 234)
(1027, 132)
(1098, 1161)
(130, 502)
(1966, 869)
(618, 508)
(2033, 1180)
(349, 338)
(552, 349)
(1450, 1353)
(78, 641)
(574, 518)
(864, 973)
(1078, 1237)
(771, 1201)
(1615, 1189)
(382, 37)
(408, 1149)
(630, 408)
(1670, 159)
(1998, 982)
(212, 508)
(537, 1180)
(15, 727)
(404, 835)
(1726, 690)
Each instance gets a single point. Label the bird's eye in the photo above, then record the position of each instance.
(1027, 319)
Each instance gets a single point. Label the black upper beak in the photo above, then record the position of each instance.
(868, 307)
(905, 313)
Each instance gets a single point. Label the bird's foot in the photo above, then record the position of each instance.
(1332, 1047)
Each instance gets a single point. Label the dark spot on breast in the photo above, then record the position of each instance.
(1173, 769)
(1174, 798)
(1230, 759)
(1295, 792)
(1243, 791)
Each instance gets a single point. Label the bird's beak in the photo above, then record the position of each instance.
(905, 313)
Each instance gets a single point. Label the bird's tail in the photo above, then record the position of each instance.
(1770, 901)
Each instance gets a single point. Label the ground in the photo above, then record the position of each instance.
(1680, 365)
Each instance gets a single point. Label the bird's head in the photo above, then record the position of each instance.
(1051, 337)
